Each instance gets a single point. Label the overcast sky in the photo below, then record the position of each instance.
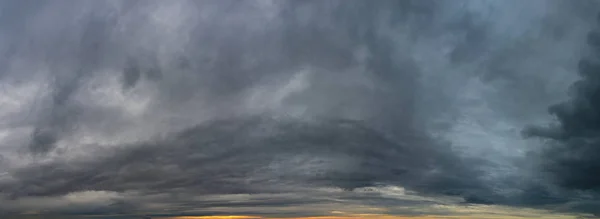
(284, 108)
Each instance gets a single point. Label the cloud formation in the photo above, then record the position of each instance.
(572, 151)
(292, 108)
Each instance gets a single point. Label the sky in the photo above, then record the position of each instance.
(299, 109)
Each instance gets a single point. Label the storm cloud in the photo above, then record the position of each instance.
(272, 107)
(571, 154)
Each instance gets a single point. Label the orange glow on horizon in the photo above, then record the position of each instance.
(317, 217)
(214, 217)
(363, 216)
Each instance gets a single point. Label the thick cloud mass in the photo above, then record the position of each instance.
(267, 106)
(573, 157)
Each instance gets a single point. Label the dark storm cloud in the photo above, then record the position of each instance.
(243, 97)
(243, 156)
(572, 159)
(570, 156)
(224, 157)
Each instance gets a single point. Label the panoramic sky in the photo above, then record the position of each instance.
(323, 109)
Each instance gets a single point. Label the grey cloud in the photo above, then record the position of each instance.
(250, 156)
(269, 97)
(235, 156)
(571, 160)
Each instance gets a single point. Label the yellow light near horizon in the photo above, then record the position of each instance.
(214, 217)
(375, 216)
(320, 217)
(361, 217)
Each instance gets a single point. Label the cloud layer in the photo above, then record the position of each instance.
(294, 107)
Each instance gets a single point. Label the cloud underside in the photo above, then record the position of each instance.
(572, 153)
(254, 155)
(292, 108)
